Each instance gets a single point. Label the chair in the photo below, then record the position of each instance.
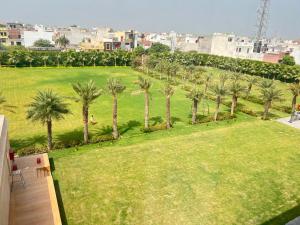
(17, 173)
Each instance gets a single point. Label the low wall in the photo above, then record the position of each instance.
(5, 176)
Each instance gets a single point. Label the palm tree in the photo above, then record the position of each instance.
(4, 106)
(13, 58)
(235, 89)
(168, 92)
(58, 57)
(195, 95)
(145, 85)
(62, 41)
(269, 94)
(220, 91)
(295, 90)
(251, 81)
(29, 59)
(94, 58)
(45, 59)
(206, 80)
(115, 87)
(46, 107)
(87, 94)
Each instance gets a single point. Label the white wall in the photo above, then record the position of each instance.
(31, 36)
(5, 177)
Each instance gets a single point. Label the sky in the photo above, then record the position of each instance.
(183, 16)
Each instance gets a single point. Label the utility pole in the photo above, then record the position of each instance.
(262, 24)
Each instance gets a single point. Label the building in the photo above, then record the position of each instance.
(39, 32)
(15, 34)
(3, 35)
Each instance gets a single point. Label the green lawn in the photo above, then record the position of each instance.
(226, 173)
(20, 85)
(242, 171)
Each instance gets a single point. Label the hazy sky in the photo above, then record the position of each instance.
(190, 16)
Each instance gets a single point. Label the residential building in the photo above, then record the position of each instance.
(3, 35)
(39, 32)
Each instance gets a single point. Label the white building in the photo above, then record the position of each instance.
(39, 32)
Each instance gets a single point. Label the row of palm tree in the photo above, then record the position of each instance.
(48, 106)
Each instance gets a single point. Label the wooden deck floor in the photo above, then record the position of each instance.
(35, 204)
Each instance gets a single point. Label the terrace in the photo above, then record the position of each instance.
(38, 197)
(32, 203)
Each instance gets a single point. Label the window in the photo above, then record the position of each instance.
(230, 39)
(107, 46)
(12, 43)
(248, 50)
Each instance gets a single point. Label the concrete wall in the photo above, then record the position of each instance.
(32, 36)
(5, 177)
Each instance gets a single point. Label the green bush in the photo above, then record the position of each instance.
(154, 128)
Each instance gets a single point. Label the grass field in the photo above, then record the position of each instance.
(20, 85)
(225, 173)
(241, 171)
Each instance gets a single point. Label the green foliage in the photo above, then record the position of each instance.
(24, 58)
(115, 87)
(62, 41)
(288, 60)
(47, 105)
(158, 48)
(87, 93)
(43, 43)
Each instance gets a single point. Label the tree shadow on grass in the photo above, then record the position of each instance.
(285, 217)
(36, 140)
(175, 120)
(129, 126)
(69, 139)
(124, 128)
(156, 120)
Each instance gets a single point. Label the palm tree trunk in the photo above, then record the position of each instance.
(85, 114)
(115, 118)
(233, 105)
(195, 110)
(266, 112)
(217, 108)
(168, 112)
(30, 64)
(249, 91)
(294, 102)
(49, 133)
(146, 110)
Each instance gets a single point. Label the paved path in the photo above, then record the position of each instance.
(294, 222)
(286, 120)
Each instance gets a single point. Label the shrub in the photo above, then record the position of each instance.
(102, 138)
(32, 150)
(154, 128)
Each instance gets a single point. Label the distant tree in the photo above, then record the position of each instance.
(94, 58)
(195, 95)
(62, 41)
(158, 48)
(115, 88)
(168, 91)
(4, 106)
(87, 94)
(269, 94)
(220, 91)
(145, 85)
(43, 43)
(251, 81)
(2, 47)
(45, 59)
(13, 58)
(29, 59)
(295, 91)
(46, 107)
(139, 51)
(288, 60)
(235, 89)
